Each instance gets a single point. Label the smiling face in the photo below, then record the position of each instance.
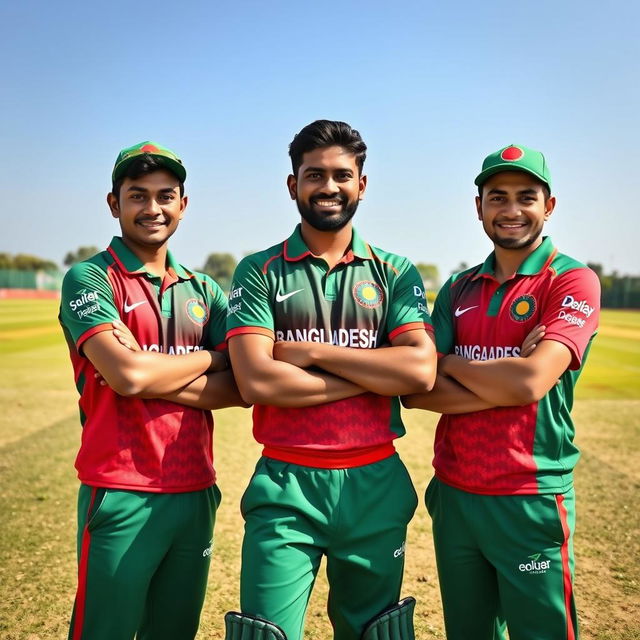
(149, 209)
(328, 188)
(513, 209)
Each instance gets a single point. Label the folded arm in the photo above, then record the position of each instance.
(511, 381)
(146, 374)
(265, 380)
(407, 366)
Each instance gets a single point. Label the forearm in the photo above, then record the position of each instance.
(284, 385)
(500, 382)
(390, 371)
(447, 396)
(210, 391)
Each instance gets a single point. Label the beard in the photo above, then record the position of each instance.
(327, 221)
(516, 243)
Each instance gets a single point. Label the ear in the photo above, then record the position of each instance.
(362, 185)
(183, 205)
(114, 205)
(549, 206)
(292, 186)
(479, 207)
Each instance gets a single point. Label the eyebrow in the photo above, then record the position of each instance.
(325, 170)
(502, 192)
(144, 190)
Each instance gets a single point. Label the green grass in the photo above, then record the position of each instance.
(39, 436)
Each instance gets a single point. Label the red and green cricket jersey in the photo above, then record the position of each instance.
(363, 302)
(527, 449)
(131, 443)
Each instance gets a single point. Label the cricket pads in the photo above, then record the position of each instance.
(396, 623)
(240, 626)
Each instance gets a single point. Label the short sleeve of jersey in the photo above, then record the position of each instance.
(408, 304)
(249, 300)
(572, 310)
(217, 302)
(443, 320)
(86, 302)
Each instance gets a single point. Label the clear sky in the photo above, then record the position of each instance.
(432, 86)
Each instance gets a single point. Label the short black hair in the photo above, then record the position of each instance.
(327, 133)
(143, 166)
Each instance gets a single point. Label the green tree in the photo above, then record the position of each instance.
(27, 262)
(430, 275)
(78, 256)
(220, 266)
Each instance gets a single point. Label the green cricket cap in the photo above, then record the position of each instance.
(515, 157)
(169, 159)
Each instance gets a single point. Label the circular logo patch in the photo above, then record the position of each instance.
(197, 311)
(522, 308)
(512, 154)
(368, 294)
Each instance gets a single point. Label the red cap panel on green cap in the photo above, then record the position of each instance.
(515, 157)
(169, 159)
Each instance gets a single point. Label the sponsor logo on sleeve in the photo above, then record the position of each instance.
(573, 310)
(234, 294)
(86, 303)
(368, 294)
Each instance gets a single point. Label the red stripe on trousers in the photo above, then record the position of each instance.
(81, 594)
(566, 573)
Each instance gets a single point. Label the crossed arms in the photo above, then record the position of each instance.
(303, 374)
(464, 385)
(200, 379)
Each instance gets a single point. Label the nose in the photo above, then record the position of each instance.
(154, 206)
(331, 186)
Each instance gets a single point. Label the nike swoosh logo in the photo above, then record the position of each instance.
(131, 307)
(280, 297)
(458, 312)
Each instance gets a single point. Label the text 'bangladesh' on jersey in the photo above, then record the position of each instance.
(515, 450)
(131, 443)
(368, 298)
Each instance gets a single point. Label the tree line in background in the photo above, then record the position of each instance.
(618, 291)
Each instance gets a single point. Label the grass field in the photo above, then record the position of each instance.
(39, 435)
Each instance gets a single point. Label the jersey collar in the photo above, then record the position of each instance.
(131, 264)
(295, 247)
(533, 264)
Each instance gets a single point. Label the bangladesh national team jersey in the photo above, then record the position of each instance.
(527, 449)
(134, 443)
(363, 302)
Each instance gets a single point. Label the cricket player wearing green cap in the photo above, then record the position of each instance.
(307, 320)
(148, 498)
(513, 335)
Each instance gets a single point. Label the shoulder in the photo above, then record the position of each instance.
(261, 261)
(392, 261)
(91, 269)
(566, 268)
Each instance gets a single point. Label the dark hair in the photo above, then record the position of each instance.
(142, 166)
(327, 133)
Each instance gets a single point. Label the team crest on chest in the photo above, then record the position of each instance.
(197, 311)
(368, 294)
(523, 307)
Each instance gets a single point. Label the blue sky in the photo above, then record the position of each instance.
(433, 87)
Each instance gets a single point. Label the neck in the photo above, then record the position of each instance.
(329, 245)
(154, 259)
(508, 261)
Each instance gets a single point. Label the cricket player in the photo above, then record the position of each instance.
(147, 499)
(307, 321)
(513, 335)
